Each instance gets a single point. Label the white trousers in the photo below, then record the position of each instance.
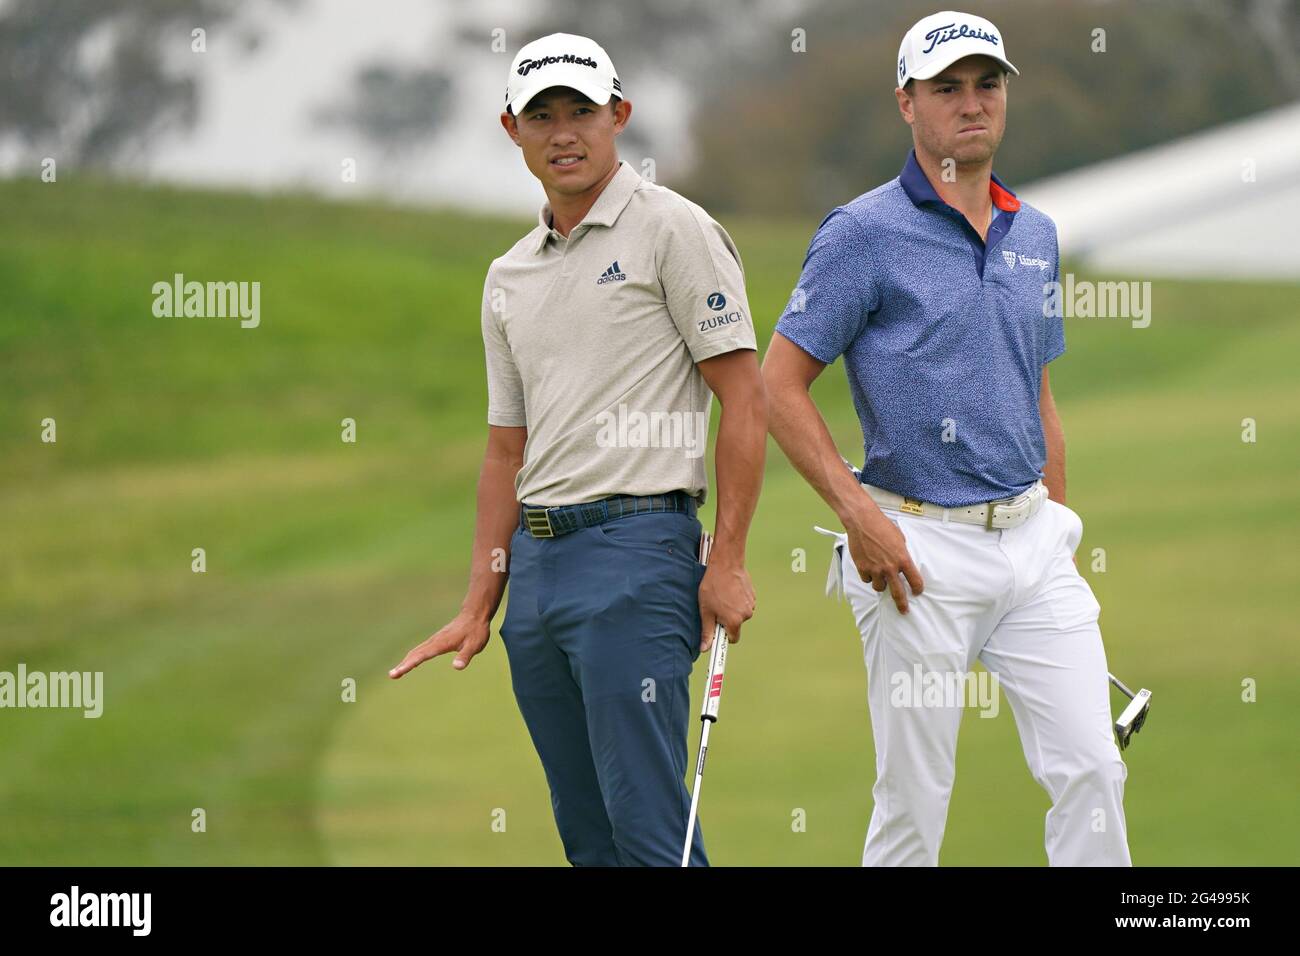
(1014, 600)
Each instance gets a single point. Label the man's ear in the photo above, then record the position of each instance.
(622, 113)
(904, 104)
(511, 125)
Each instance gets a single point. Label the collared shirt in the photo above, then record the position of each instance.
(591, 342)
(943, 335)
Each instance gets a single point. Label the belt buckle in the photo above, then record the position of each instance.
(1027, 495)
(538, 521)
(912, 506)
(992, 506)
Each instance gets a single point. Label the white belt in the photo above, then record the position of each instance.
(993, 515)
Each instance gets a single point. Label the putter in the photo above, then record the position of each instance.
(709, 713)
(1134, 715)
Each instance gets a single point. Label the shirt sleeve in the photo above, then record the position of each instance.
(504, 386)
(836, 291)
(1054, 344)
(704, 284)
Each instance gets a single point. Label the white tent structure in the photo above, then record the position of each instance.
(1223, 203)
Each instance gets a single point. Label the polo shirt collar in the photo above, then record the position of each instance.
(609, 205)
(919, 190)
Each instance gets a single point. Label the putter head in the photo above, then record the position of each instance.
(1133, 717)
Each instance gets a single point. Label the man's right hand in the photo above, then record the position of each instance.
(879, 552)
(466, 634)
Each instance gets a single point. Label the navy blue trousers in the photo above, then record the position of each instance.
(602, 626)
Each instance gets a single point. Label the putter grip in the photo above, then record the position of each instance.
(717, 654)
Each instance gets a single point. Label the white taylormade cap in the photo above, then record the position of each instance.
(941, 39)
(561, 59)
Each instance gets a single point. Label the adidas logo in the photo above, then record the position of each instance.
(612, 274)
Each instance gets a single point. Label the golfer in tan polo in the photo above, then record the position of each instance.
(607, 329)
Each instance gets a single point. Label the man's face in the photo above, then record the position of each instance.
(961, 113)
(568, 141)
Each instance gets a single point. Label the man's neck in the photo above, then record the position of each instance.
(569, 210)
(969, 195)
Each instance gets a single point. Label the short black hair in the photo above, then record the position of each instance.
(613, 102)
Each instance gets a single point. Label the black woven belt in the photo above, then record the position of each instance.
(562, 519)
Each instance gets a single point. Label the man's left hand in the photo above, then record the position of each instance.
(726, 598)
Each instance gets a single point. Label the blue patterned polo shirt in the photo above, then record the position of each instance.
(943, 335)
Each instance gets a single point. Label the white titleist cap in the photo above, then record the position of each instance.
(561, 59)
(941, 39)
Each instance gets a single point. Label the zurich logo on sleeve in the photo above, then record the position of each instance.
(718, 303)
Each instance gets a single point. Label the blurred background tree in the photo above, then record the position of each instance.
(94, 82)
(798, 133)
(733, 115)
(393, 106)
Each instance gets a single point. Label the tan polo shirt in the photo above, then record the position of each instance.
(591, 342)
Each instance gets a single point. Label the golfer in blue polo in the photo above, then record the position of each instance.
(607, 329)
(958, 545)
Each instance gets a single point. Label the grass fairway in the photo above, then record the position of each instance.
(327, 561)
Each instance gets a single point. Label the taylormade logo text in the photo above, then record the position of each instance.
(527, 66)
